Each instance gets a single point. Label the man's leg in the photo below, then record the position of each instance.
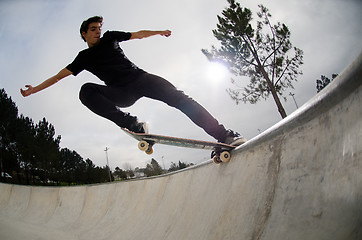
(103, 100)
(155, 87)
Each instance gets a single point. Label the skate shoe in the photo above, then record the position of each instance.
(234, 138)
(139, 127)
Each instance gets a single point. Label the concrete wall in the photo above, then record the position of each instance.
(301, 179)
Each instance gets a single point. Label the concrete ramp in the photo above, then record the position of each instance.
(301, 179)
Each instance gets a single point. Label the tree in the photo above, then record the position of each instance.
(90, 173)
(264, 54)
(324, 81)
(47, 149)
(181, 165)
(173, 167)
(73, 166)
(130, 173)
(26, 146)
(153, 169)
(8, 117)
(32, 152)
(121, 174)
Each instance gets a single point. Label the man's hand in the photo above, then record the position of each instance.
(28, 91)
(166, 33)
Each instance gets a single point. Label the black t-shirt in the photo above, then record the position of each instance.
(107, 60)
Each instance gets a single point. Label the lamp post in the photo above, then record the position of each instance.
(292, 94)
(109, 168)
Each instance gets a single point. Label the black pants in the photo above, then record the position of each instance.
(105, 100)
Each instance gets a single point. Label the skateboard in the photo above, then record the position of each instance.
(220, 151)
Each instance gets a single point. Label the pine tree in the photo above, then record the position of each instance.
(324, 81)
(264, 54)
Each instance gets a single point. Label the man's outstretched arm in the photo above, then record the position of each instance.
(147, 33)
(47, 83)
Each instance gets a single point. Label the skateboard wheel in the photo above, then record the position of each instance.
(143, 145)
(149, 151)
(225, 156)
(216, 160)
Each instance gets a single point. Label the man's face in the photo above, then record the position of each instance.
(93, 35)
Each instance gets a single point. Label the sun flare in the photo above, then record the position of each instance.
(217, 72)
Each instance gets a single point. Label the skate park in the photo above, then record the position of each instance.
(300, 179)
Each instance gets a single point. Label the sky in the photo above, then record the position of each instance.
(40, 37)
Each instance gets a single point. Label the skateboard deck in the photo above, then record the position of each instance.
(220, 151)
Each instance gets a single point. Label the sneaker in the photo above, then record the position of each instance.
(139, 127)
(234, 138)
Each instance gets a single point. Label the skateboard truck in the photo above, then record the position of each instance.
(146, 147)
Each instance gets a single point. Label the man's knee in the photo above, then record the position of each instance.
(86, 91)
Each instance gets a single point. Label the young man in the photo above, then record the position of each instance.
(125, 83)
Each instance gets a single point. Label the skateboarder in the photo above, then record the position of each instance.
(125, 83)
